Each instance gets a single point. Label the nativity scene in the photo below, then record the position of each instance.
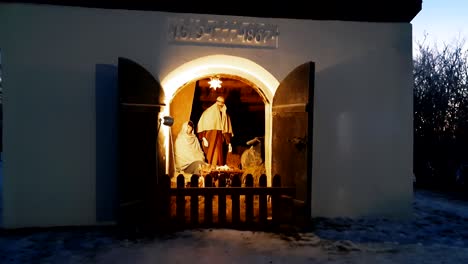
(220, 130)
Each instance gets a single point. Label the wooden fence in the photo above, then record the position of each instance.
(215, 205)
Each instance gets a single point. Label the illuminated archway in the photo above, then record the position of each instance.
(225, 64)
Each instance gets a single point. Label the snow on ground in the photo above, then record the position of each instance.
(438, 233)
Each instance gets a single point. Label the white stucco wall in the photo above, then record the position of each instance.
(362, 149)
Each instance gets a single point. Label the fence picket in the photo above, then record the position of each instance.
(208, 201)
(235, 182)
(249, 201)
(180, 201)
(222, 200)
(262, 202)
(194, 200)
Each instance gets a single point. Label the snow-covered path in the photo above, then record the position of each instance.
(438, 233)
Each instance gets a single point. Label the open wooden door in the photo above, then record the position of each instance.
(292, 132)
(140, 101)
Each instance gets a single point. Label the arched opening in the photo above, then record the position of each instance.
(243, 77)
(246, 109)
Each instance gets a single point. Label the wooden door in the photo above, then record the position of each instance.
(140, 101)
(292, 132)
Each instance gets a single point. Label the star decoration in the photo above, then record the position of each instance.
(215, 82)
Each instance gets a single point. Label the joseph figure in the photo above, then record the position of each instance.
(215, 130)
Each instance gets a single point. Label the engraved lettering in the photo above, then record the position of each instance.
(266, 36)
(222, 32)
(200, 32)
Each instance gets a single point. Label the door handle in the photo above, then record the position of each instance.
(298, 141)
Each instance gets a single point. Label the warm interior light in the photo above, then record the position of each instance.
(215, 82)
(229, 65)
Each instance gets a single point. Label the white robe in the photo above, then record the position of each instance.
(187, 149)
(215, 126)
(211, 119)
